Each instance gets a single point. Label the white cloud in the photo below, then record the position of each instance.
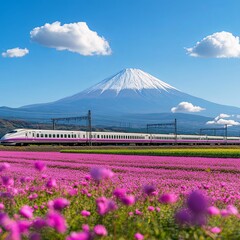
(74, 37)
(222, 115)
(186, 107)
(218, 45)
(222, 121)
(15, 52)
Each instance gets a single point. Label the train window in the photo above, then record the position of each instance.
(37, 134)
(61, 135)
(50, 135)
(14, 131)
(41, 135)
(57, 135)
(45, 135)
(26, 134)
(53, 135)
(65, 135)
(69, 135)
(33, 134)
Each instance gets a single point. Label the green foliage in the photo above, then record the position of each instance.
(196, 152)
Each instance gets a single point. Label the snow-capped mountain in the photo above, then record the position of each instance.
(131, 91)
(133, 79)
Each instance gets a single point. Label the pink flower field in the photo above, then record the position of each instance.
(50, 195)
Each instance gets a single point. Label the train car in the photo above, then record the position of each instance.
(40, 136)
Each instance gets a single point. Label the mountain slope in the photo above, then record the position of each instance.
(129, 91)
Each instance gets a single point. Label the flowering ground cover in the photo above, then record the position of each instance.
(191, 152)
(50, 195)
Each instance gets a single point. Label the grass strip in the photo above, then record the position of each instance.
(200, 152)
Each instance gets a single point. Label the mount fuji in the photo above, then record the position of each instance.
(131, 91)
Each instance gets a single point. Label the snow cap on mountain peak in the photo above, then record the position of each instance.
(131, 79)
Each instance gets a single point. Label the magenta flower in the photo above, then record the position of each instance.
(40, 166)
(149, 189)
(51, 183)
(56, 221)
(183, 216)
(232, 210)
(59, 203)
(33, 196)
(168, 198)
(99, 174)
(79, 236)
(138, 236)
(119, 192)
(137, 212)
(105, 205)
(87, 177)
(151, 208)
(7, 181)
(128, 200)
(85, 213)
(85, 228)
(158, 209)
(2, 206)
(24, 226)
(197, 202)
(39, 223)
(215, 230)
(35, 236)
(100, 230)
(26, 211)
(4, 166)
(213, 211)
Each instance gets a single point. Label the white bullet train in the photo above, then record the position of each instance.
(40, 136)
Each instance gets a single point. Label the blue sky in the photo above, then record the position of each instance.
(149, 35)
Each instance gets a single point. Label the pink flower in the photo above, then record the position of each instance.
(99, 174)
(224, 213)
(4, 166)
(85, 228)
(85, 213)
(197, 202)
(40, 166)
(87, 177)
(128, 200)
(137, 212)
(35, 236)
(24, 226)
(158, 209)
(79, 236)
(213, 211)
(138, 236)
(100, 230)
(33, 196)
(119, 192)
(51, 183)
(168, 198)
(2, 206)
(232, 210)
(215, 230)
(151, 208)
(39, 223)
(56, 221)
(59, 203)
(7, 181)
(105, 205)
(183, 216)
(149, 189)
(26, 211)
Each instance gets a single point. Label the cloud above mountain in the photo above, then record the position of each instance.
(220, 120)
(186, 107)
(74, 37)
(15, 52)
(218, 45)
